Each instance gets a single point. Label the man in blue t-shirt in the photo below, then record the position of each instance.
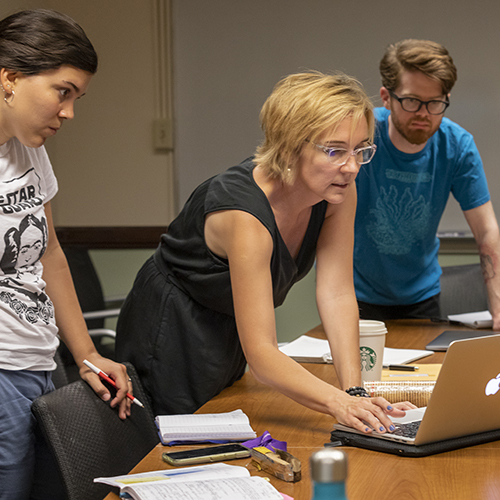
(421, 158)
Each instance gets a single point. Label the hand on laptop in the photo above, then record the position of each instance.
(403, 405)
(365, 414)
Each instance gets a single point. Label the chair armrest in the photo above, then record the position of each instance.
(114, 301)
(105, 313)
(100, 332)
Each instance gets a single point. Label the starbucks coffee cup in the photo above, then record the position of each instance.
(371, 348)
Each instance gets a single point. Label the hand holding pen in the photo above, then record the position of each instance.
(108, 379)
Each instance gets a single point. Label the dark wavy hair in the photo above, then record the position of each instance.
(33, 41)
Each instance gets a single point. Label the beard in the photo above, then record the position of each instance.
(414, 136)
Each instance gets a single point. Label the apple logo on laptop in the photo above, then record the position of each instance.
(493, 386)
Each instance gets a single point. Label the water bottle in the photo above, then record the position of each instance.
(328, 473)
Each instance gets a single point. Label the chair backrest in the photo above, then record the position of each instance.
(89, 440)
(87, 284)
(91, 298)
(462, 290)
(59, 375)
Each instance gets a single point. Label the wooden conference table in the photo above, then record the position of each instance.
(470, 473)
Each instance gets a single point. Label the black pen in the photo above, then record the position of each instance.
(404, 368)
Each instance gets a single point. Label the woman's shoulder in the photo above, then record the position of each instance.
(230, 190)
(17, 160)
(16, 152)
(238, 176)
(236, 189)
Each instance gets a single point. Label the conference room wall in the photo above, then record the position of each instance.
(228, 54)
(109, 171)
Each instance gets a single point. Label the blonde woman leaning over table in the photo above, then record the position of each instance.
(46, 64)
(203, 306)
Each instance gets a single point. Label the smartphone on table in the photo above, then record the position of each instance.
(206, 455)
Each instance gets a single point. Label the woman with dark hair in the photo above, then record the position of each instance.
(46, 64)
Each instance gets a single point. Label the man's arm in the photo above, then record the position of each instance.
(484, 227)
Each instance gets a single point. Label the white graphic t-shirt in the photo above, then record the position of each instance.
(28, 332)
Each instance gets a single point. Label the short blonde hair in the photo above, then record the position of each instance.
(300, 108)
(430, 58)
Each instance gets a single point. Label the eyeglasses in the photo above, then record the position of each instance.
(340, 156)
(413, 105)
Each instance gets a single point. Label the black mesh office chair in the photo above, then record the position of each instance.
(462, 290)
(59, 375)
(89, 440)
(90, 295)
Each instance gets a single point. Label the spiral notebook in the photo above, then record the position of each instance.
(464, 407)
(204, 427)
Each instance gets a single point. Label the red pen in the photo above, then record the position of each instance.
(110, 380)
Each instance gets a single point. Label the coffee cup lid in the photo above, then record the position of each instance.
(372, 326)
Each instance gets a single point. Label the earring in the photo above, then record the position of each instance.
(11, 98)
(1, 87)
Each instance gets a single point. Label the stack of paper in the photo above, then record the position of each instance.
(231, 426)
(230, 482)
(307, 349)
(403, 356)
(481, 319)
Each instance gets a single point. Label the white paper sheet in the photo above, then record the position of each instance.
(481, 319)
(318, 351)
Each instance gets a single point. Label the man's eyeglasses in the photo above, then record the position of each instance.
(413, 105)
(340, 156)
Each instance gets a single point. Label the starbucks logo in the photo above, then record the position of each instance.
(368, 358)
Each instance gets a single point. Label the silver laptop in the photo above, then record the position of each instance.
(465, 399)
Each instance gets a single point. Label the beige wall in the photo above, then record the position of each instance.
(108, 170)
(227, 55)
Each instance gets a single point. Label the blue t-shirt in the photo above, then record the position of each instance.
(401, 198)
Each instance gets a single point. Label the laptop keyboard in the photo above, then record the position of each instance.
(408, 430)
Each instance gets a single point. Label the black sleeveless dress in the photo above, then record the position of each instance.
(177, 325)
